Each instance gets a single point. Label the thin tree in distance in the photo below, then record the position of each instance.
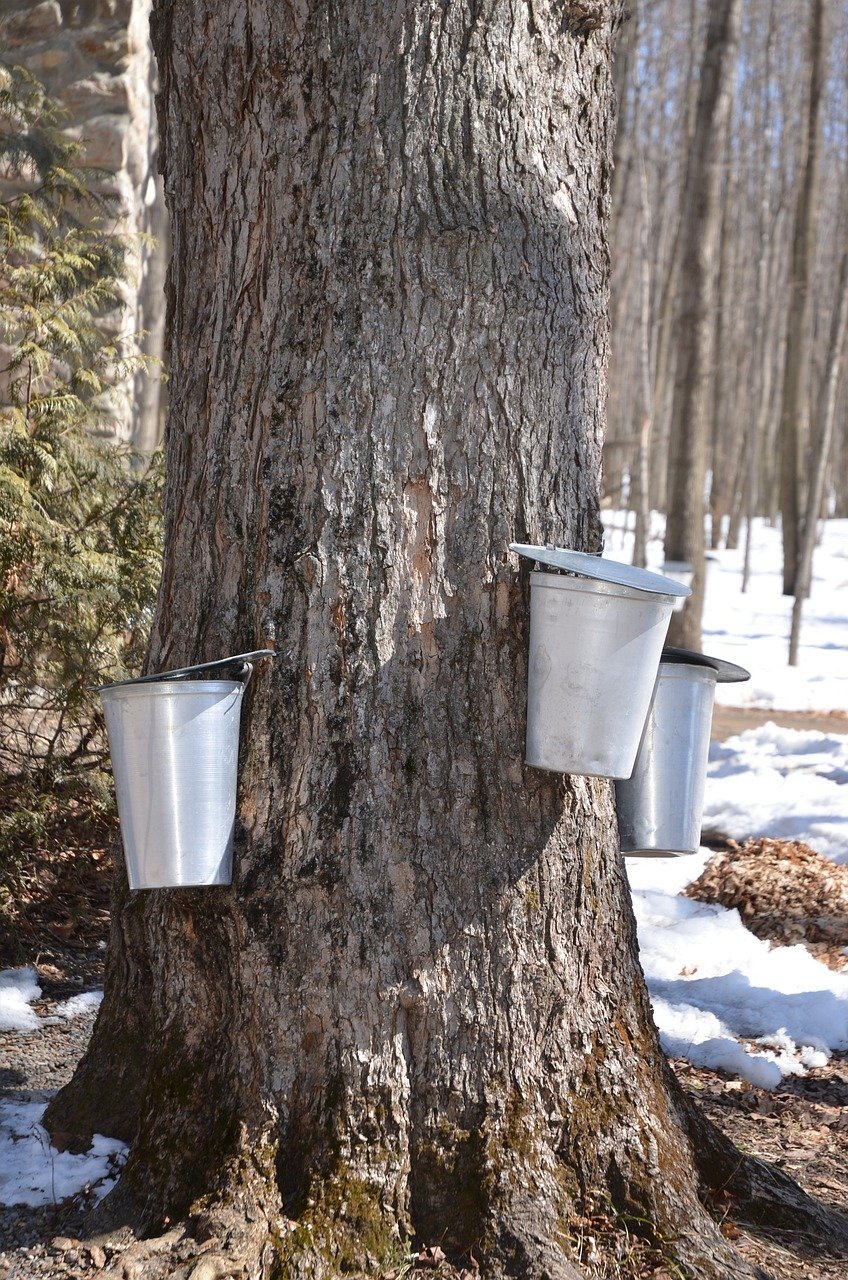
(701, 220)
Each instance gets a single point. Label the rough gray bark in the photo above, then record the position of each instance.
(701, 220)
(418, 1012)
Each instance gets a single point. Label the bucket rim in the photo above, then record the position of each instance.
(727, 672)
(596, 567)
(180, 688)
(597, 587)
(691, 671)
(244, 660)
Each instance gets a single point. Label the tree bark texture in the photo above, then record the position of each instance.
(418, 1011)
(701, 223)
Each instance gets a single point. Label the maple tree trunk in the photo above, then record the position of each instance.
(418, 1012)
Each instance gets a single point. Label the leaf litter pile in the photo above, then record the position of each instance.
(785, 892)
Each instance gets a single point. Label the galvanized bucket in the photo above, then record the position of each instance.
(595, 644)
(174, 744)
(660, 807)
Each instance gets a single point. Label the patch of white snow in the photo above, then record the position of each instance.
(18, 989)
(85, 1002)
(33, 1173)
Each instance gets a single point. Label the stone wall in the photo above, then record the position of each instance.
(95, 56)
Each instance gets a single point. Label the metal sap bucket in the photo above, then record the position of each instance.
(174, 741)
(660, 807)
(595, 643)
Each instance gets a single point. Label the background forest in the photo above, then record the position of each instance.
(772, 263)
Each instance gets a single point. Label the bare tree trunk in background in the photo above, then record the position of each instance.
(695, 326)
(623, 72)
(616, 476)
(826, 417)
(665, 345)
(150, 394)
(763, 352)
(723, 445)
(772, 93)
(642, 525)
(775, 339)
(796, 373)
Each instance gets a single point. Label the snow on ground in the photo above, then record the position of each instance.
(33, 1173)
(753, 629)
(714, 984)
(85, 1002)
(18, 988)
(721, 997)
(791, 784)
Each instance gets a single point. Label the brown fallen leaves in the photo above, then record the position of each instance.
(801, 1130)
(784, 891)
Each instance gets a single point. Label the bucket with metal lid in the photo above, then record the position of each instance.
(660, 807)
(174, 740)
(596, 632)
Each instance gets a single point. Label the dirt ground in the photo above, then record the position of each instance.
(802, 1128)
(728, 721)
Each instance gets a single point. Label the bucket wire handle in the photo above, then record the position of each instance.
(243, 661)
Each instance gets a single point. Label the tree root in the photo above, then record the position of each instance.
(525, 1241)
(238, 1240)
(230, 1231)
(531, 1232)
